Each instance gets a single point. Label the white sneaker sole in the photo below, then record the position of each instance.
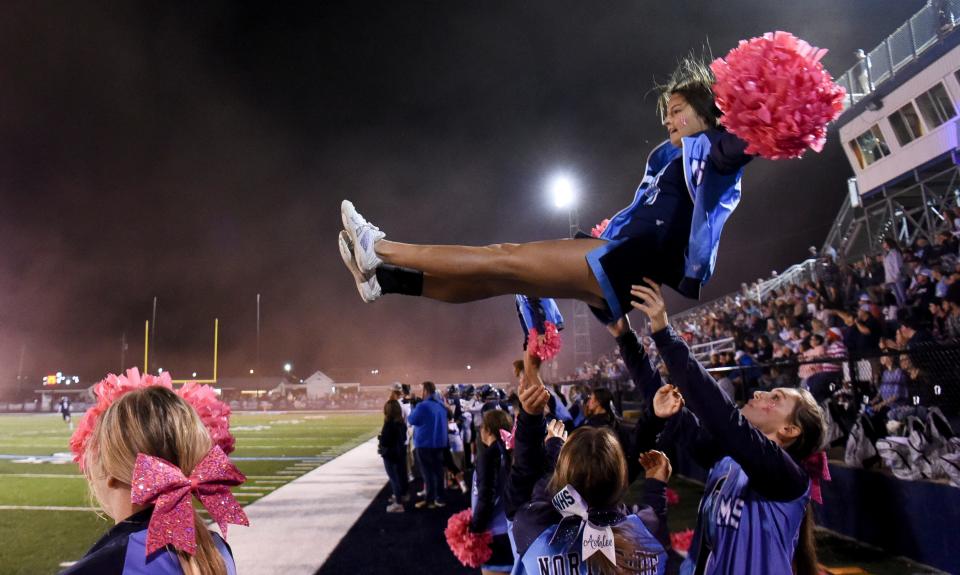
(363, 236)
(368, 286)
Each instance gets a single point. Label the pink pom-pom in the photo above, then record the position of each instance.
(471, 549)
(680, 540)
(545, 346)
(673, 497)
(214, 413)
(776, 96)
(598, 229)
(108, 390)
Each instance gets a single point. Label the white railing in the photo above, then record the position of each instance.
(923, 30)
(792, 275)
(703, 351)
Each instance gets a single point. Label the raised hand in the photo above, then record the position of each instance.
(533, 398)
(667, 402)
(649, 300)
(556, 429)
(619, 327)
(531, 368)
(656, 465)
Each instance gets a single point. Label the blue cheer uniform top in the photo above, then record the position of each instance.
(122, 551)
(756, 494)
(739, 530)
(670, 232)
(564, 558)
(535, 520)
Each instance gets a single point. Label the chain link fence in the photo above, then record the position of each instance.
(928, 373)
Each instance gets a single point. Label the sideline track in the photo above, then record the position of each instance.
(294, 529)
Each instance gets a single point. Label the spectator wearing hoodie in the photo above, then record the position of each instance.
(429, 421)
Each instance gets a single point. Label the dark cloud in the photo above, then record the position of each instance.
(200, 154)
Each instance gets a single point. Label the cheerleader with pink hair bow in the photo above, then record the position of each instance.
(147, 451)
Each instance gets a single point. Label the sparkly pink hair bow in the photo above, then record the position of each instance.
(818, 470)
(161, 483)
(509, 437)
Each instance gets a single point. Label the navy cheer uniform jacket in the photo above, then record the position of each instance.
(488, 503)
(671, 230)
(756, 494)
(122, 551)
(535, 519)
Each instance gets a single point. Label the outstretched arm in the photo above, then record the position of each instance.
(657, 467)
(659, 405)
(638, 364)
(529, 455)
(772, 471)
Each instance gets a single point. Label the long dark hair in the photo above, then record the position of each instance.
(693, 80)
(392, 411)
(813, 432)
(592, 461)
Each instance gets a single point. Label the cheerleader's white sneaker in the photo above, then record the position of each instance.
(368, 286)
(363, 236)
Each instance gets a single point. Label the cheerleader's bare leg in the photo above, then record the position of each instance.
(554, 268)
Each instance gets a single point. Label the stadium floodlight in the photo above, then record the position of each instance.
(194, 374)
(251, 372)
(159, 370)
(469, 366)
(288, 367)
(563, 190)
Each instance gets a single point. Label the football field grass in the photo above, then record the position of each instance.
(47, 517)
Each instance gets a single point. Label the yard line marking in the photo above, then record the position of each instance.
(259, 477)
(42, 475)
(44, 508)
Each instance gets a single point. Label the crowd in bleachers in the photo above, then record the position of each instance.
(875, 340)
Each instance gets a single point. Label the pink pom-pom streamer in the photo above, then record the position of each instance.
(214, 413)
(673, 497)
(545, 346)
(471, 549)
(107, 391)
(680, 540)
(598, 229)
(776, 95)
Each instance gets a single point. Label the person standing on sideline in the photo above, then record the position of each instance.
(429, 421)
(393, 450)
(65, 411)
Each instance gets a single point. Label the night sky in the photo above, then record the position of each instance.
(200, 155)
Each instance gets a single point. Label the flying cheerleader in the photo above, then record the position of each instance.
(770, 97)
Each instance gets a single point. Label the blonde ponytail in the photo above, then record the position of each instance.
(155, 421)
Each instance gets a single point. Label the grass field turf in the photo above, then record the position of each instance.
(35, 541)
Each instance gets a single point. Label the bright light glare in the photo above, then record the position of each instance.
(287, 367)
(563, 191)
